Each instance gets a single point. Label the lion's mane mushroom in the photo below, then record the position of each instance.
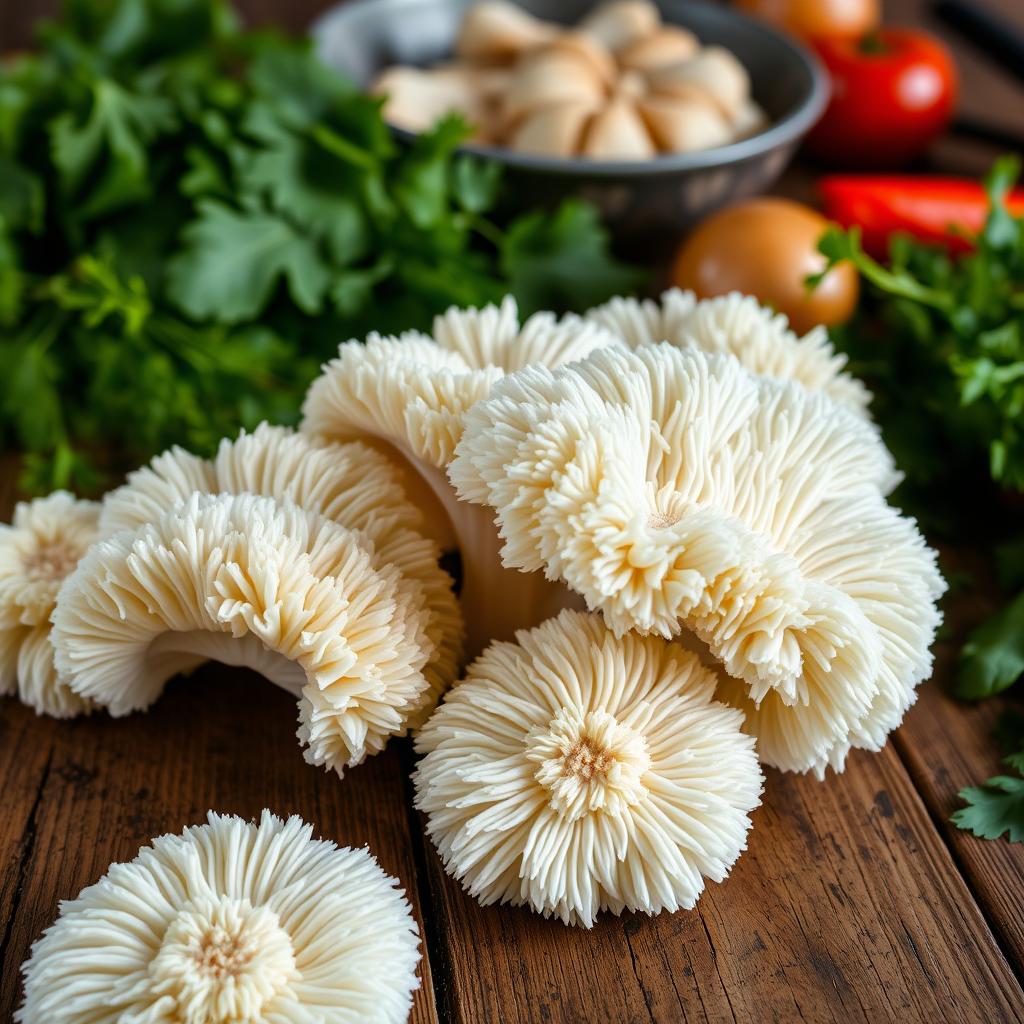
(37, 551)
(249, 581)
(417, 98)
(351, 484)
(497, 32)
(230, 921)
(620, 86)
(576, 771)
(659, 93)
(409, 395)
(680, 494)
(736, 325)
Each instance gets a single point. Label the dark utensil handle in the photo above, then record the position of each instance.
(996, 35)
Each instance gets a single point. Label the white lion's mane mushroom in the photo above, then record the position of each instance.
(736, 325)
(38, 550)
(577, 772)
(680, 494)
(497, 32)
(249, 581)
(351, 484)
(226, 922)
(409, 394)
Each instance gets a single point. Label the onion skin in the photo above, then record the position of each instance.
(766, 248)
(818, 19)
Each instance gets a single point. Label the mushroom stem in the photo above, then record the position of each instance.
(496, 600)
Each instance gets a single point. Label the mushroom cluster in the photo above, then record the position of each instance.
(37, 551)
(619, 86)
(228, 922)
(677, 562)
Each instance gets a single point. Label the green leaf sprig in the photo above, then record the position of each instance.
(192, 217)
(996, 807)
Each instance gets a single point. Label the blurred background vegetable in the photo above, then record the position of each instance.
(767, 247)
(818, 19)
(215, 211)
(949, 211)
(893, 93)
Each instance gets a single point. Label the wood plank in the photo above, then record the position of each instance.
(25, 759)
(947, 745)
(847, 907)
(24, 767)
(223, 739)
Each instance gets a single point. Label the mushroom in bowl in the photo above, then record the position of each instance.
(651, 172)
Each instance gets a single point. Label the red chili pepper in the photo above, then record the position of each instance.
(947, 211)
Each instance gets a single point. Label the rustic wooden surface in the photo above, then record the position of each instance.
(857, 901)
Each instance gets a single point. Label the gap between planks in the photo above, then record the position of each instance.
(847, 907)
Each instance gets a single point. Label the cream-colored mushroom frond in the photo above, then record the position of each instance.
(409, 395)
(620, 85)
(37, 551)
(249, 581)
(412, 391)
(228, 922)
(351, 484)
(678, 493)
(576, 771)
(740, 326)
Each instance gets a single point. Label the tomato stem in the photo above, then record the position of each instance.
(873, 44)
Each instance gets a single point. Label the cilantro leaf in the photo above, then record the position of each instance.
(993, 658)
(233, 260)
(12, 283)
(993, 809)
(316, 189)
(421, 185)
(1010, 732)
(559, 261)
(1002, 231)
(291, 77)
(21, 196)
(837, 246)
(113, 137)
(28, 395)
(475, 183)
(997, 806)
(352, 289)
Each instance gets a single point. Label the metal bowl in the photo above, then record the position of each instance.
(641, 201)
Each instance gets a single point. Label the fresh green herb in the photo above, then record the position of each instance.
(193, 216)
(992, 659)
(941, 341)
(997, 806)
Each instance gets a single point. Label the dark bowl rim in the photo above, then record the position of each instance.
(785, 131)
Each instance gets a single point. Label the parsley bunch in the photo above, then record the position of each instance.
(192, 217)
(941, 341)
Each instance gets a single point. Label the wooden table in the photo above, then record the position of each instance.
(856, 900)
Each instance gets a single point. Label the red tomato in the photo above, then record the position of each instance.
(892, 92)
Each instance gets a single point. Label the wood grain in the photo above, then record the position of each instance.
(224, 739)
(857, 901)
(948, 745)
(847, 907)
